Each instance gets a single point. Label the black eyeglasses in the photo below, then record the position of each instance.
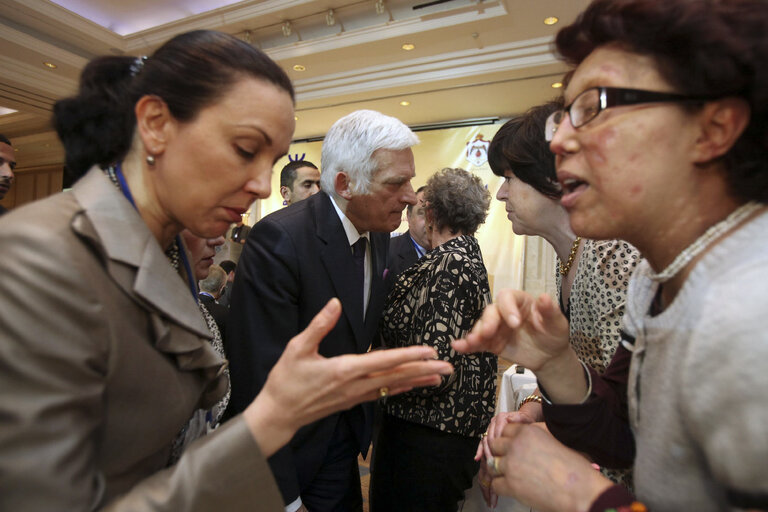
(587, 105)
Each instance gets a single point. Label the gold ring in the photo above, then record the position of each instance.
(484, 434)
(485, 485)
(493, 466)
(383, 392)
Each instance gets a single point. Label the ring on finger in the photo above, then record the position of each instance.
(383, 392)
(493, 466)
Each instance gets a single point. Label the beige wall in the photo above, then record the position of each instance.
(33, 183)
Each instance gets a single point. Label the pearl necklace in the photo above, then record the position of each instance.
(710, 235)
(566, 267)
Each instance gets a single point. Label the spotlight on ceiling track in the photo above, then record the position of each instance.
(330, 20)
(380, 7)
(287, 29)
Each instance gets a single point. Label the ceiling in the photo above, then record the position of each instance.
(472, 59)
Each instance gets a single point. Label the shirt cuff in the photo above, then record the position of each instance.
(294, 505)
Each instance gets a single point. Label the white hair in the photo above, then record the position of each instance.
(217, 278)
(351, 142)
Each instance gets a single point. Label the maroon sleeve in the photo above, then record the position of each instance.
(612, 498)
(599, 426)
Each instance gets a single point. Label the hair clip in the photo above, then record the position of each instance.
(138, 65)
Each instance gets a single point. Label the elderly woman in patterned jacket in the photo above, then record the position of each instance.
(592, 276)
(423, 458)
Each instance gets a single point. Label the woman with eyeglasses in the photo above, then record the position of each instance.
(663, 143)
(104, 354)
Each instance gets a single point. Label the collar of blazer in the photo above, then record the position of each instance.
(139, 266)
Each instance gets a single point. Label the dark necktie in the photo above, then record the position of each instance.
(358, 255)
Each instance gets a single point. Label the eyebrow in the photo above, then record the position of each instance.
(258, 129)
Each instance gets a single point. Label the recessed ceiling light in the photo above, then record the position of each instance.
(551, 20)
(405, 103)
(49, 65)
(408, 47)
(557, 85)
(299, 67)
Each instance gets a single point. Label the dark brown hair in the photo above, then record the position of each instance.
(519, 146)
(288, 174)
(189, 72)
(715, 48)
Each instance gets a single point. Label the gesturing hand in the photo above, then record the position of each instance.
(304, 386)
(520, 328)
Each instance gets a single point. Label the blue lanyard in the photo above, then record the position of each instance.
(182, 253)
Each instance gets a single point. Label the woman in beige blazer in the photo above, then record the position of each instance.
(103, 352)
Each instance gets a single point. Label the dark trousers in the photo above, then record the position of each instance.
(336, 486)
(420, 469)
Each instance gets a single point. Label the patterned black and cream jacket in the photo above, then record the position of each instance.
(435, 301)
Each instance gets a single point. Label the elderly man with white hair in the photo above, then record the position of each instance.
(333, 244)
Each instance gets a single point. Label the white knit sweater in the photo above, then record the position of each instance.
(698, 384)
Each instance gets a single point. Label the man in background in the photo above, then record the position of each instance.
(299, 179)
(406, 249)
(333, 244)
(229, 267)
(7, 165)
(211, 289)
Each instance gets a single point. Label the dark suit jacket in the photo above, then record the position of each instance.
(401, 255)
(294, 261)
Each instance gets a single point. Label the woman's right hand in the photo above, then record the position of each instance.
(531, 332)
(304, 386)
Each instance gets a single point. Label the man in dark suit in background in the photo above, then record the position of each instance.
(229, 267)
(299, 180)
(211, 289)
(333, 244)
(406, 249)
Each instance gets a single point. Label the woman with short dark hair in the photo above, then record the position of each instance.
(664, 143)
(423, 454)
(591, 275)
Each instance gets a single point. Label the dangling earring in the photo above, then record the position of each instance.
(285, 202)
(150, 160)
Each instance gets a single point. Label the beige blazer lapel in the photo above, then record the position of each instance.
(136, 262)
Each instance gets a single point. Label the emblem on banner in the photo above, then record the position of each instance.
(477, 151)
